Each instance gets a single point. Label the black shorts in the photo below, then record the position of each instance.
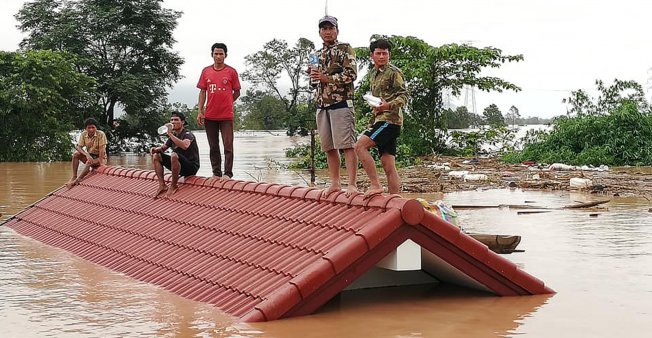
(188, 168)
(384, 134)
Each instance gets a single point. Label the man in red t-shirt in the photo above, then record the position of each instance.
(218, 87)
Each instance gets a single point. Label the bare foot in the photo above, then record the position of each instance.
(374, 191)
(161, 189)
(225, 178)
(350, 190)
(171, 190)
(72, 183)
(330, 190)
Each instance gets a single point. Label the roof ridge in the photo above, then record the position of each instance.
(263, 188)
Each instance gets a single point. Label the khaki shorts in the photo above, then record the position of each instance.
(336, 128)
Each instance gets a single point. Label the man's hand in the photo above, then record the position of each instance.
(315, 74)
(155, 150)
(384, 106)
(200, 119)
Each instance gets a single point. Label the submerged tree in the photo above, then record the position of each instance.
(276, 65)
(126, 45)
(512, 115)
(493, 116)
(42, 97)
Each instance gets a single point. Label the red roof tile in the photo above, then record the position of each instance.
(258, 251)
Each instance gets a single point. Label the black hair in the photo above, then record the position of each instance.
(178, 114)
(218, 45)
(90, 121)
(380, 44)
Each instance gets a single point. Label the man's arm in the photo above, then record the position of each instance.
(200, 107)
(236, 94)
(181, 143)
(400, 95)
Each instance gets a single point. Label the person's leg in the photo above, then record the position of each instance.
(76, 158)
(226, 127)
(213, 136)
(351, 163)
(334, 162)
(157, 159)
(362, 147)
(342, 122)
(332, 154)
(188, 168)
(85, 171)
(175, 168)
(389, 165)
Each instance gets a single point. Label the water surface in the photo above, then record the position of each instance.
(601, 268)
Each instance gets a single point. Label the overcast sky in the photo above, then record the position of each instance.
(567, 44)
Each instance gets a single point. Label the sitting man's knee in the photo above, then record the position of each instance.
(156, 157)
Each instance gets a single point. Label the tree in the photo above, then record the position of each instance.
(609, 100)
(614, 128)
(512, 115)
(493, 116)
(125, 45)
(275, 62)
(42, 98)
(461, 118)
(429, 71)
(262, 111)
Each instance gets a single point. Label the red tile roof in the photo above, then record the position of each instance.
(257, 251)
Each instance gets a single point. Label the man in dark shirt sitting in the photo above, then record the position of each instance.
(184, 160)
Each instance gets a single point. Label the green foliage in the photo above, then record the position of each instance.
(512, 115)
(301, 155)
(470, 143)
(609, 99)
(138, 133)
(261, 111)
(615, 129)
(431, 70)
(493, 116)
(265, 68)
(125, 45)
(461, 118)
(42, 98)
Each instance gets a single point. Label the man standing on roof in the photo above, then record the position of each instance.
(387, 83)
(219, 87)
(184, 160)
(334, 99)
(94, 141)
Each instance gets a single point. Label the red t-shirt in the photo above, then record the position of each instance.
(219, 86)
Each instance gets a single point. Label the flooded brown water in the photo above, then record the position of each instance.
(601, 268)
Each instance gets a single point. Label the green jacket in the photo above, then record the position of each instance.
(388, 83)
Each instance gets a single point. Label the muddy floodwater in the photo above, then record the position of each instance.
(598, 261)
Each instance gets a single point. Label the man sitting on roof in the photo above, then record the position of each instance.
(93, 156)
(184, 160)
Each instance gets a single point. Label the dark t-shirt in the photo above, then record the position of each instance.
(192, 153)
